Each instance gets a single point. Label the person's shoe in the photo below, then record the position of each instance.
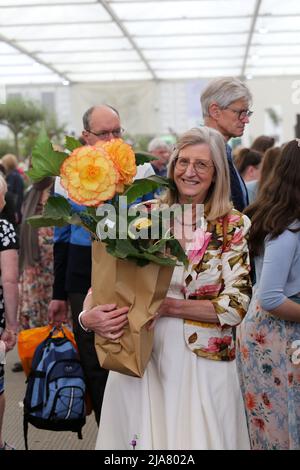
(7, 446)
(17, 367)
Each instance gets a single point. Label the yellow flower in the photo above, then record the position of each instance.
(124, 159)
(142, 223)
(89, 176)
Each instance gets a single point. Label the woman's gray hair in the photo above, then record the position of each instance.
(218, 202)
(224, 91)
(3, 185)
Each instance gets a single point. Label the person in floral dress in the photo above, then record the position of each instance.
(269, 337)
(36, 260)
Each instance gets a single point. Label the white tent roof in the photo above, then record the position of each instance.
(44, 41)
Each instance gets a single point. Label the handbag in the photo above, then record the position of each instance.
(28, 341)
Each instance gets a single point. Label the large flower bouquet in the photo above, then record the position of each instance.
(134, 253)
(100, 179)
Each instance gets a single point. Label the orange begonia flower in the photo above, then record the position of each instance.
(89, 176)
(124, 159)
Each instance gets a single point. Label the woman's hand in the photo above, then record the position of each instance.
(106, 320)
(166, 306)
(164, 310)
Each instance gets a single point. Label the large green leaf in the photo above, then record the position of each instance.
(57, 207)
(45, 161)
(72, 143)
(145, 185)
(57, 212)
(142, 157)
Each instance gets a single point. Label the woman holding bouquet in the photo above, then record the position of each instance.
(189, 396)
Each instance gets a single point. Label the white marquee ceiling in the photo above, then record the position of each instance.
(71, 41)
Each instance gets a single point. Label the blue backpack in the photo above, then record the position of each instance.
(55, 393)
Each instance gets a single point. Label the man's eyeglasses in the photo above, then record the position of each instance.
(105, 135)
(199, 165)
(242, 113)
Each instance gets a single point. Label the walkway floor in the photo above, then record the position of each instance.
(37, 439)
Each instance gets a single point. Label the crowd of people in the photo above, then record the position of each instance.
(223, 373)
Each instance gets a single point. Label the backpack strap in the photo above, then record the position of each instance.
(25, 431)
(37, 373)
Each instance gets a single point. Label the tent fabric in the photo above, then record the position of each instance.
(80, 41)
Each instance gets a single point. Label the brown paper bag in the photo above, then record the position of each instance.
(126, 284)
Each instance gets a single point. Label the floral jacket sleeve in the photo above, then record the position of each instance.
(219, 271)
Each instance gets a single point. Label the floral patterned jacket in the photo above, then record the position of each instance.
(218, 271)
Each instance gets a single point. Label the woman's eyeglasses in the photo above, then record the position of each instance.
(199, 165)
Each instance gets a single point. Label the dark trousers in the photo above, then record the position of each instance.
(95, 375)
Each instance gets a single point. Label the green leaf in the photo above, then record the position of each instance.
(57, 212)
(164, 261)
(158, 246)
(71, 143)
(45, 161)
(142, 157)
(177, 250)
(145, 185)
(57, 207)
(38, 221)
(124, 248)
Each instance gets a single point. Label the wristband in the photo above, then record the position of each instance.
(80, 322)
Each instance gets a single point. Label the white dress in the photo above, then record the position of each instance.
(183, 402)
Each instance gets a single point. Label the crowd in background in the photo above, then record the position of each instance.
(269, 379)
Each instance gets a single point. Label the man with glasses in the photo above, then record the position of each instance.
(101, 123)
(73, 262)
(225, 105)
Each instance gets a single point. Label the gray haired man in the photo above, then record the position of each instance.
(225, 105)
(160, 149)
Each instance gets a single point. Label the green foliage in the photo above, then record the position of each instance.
(144, 186)
(58, 206)
(53, 129)
(58, 211)
(140, 141)
(142, 157)
(72, 143)
(45, 161)
(6, 146)
(18, 115)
